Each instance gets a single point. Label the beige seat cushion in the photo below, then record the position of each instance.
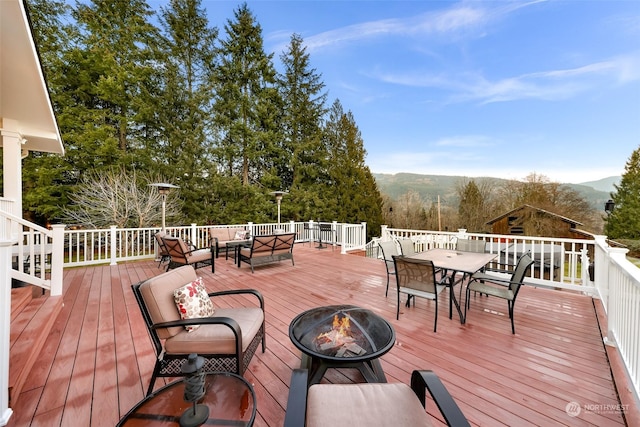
(157, 293)
(366, 405)
(200, 255)
(226, 234)
(217, 339)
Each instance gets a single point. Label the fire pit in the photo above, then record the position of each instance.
(342, 336)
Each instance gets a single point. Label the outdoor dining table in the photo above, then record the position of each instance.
(455, 262)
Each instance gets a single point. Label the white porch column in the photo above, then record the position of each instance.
(12, 170)
(5, 320)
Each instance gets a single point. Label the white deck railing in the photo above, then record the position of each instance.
(618, 286)
(113, 245)
(558, 263)
(561, 264)
(35, 251)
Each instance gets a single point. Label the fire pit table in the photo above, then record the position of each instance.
(342, 336)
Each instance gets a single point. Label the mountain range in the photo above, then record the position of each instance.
(430, 187)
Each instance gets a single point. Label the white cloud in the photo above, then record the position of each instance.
(548, 85)
(459, 18)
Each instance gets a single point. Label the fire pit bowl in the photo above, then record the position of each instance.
(340, 336)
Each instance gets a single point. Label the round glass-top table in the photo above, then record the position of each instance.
(229, 397)
(342, 336)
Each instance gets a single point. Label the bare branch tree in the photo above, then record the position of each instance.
(118, 197)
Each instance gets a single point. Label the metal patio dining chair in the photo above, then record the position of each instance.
(467, 245)
(389, 249)
(407, 248)
(417, 278)
(505, 288)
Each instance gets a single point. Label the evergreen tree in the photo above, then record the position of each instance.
(118, 61)
(302, 92)
(185, 152)
(472, 209)
(246, 105)
(624, 221)
(354, 195)
(101, 77)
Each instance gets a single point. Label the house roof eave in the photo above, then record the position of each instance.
(25, 105)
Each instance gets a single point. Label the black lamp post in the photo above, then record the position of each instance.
(163, 189)
(609, 206)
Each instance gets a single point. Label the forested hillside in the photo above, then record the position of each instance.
(429, 187)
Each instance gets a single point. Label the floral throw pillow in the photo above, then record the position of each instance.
(193, 302)
(241, 235)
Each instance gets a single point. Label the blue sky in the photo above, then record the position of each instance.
(474, 88)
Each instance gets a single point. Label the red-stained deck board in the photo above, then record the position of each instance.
(99, 357)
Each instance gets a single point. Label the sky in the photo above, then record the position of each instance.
(473, 88)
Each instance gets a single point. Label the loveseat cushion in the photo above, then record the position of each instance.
(157, 293)
(218, 339)
(371, 404)
(225, 234)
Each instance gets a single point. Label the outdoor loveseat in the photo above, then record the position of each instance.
(268, 249)
(220, 236)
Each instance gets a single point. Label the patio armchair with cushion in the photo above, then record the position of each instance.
(181, 318)
(369, 404)
(500, 287)
(182, 254)
(163, 253)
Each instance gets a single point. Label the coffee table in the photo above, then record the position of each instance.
(236, 245)
(230, 398)
(325, 342)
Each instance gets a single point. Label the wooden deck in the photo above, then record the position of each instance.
(97, 361)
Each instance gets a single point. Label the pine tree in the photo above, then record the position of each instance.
(185, 107)
(624, 221)
(246, 106)
(353, 195)
(472, 209)
(302, 92)
(118, 63)
(101, 73)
